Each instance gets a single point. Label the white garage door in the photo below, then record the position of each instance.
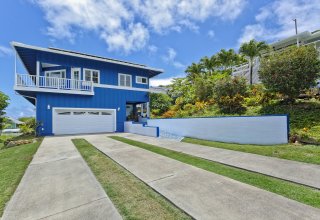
(78, 121)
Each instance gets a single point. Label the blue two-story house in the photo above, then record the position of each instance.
(80, 93)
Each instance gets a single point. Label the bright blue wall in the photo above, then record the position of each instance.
(103, 98)
(108, 71)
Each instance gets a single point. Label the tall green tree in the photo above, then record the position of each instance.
(4, 102)
(194, 70)
(160, 103)
(291, 71)
(251, 50)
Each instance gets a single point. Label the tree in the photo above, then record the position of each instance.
(160, 103)
(253, 49)
(4, 102)
(194, 71)
(291, 71)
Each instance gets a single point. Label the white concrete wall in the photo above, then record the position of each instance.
(134, 128)
(261, 130)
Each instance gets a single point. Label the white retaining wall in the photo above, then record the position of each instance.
(136, 128)
(261, 130)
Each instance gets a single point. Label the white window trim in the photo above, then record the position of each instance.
(119, 74)
(91, 70)
(142, 77)
(59, 70)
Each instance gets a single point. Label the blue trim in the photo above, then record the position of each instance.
(237, 116)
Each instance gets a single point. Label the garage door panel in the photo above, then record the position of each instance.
(83, 121)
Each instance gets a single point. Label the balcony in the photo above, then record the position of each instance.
(26, 82)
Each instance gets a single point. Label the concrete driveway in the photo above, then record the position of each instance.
(294, 171)
(201, 194)
(58, 184)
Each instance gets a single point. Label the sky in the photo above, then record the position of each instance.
(166, 34)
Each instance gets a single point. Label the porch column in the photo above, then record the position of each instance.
(38, 74)
(148, 110)
(141, 109)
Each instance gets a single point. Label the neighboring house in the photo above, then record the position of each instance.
(12, 125)
(80, 93)
(304, 38)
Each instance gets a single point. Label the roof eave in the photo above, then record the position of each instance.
(17, 44)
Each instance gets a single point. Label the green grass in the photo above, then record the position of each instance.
(13, 163)
(287, 189)
(302, 153)
(131, 196)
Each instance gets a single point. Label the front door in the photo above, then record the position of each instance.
(75, 78)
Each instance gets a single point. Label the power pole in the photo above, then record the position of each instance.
(296, 25)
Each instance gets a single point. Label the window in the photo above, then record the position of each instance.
(125, 80)
(91, 75)
(56, 73)
(64, 113)
(141, 80)
(79, 113)
(93, 113)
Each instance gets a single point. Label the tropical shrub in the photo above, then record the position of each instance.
(29, 127)
(159, 103)
(229, 94)
(4, 102)
(291, 71)
(169, 114)
(259, 95)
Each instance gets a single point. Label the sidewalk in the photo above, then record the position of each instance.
(298, 172)
(58, 184)
(201, 194)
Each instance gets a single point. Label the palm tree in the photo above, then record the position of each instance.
(227, 58)
(194, 70)
(253, 49)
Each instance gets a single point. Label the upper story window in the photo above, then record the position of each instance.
(91, 75)
(125, 80)
(141, 80)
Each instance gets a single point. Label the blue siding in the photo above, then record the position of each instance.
(103, 98)
(108, 71)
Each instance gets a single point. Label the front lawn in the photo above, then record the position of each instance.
(302, 153)
(287, 189)
(133, 198)
(13, 163)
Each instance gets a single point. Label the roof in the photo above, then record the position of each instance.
(19, 46)
(15, 121)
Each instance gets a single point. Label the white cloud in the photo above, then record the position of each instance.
(5, 51)
(126, 25)
(161, 82)
(211, 33)
(274, 21)
(152, 49)
(170, 58)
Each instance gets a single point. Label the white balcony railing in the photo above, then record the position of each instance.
(31, 81)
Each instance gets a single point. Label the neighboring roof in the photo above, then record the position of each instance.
(16, 45)
(305, 37)
(15, 121)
